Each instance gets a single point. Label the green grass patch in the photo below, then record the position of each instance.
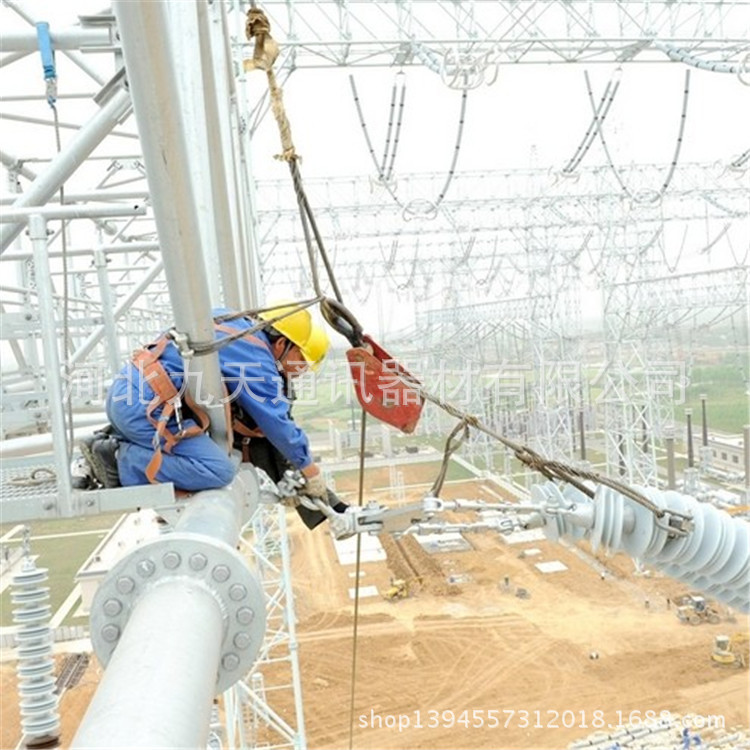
(727, 399)
(62, 556)
(65, 525)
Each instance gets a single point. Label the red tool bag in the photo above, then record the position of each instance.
(380, 387)
(384, 388)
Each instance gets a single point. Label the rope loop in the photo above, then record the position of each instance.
(258, 27)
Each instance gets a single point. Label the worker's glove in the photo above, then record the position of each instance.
(316, 487)
(343, 524)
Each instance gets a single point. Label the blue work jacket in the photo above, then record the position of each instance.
(251, 377)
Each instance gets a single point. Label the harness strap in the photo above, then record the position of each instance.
(252, 338)
(239, 427)
(166, 395)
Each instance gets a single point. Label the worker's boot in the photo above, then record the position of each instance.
(100, 450)
(82, 475)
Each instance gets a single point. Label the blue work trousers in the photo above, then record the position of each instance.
(196, 463)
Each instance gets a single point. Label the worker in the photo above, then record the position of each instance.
(257, 371)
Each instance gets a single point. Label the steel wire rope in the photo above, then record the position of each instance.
(40, 475)
(707, 248)
(67, 339)
(408, 208)
(740, 161)
(661, 245)
(600, 114)
(202, 348)
(386, 166)
(655, 196)
(357, 571)
(743, 262)
(551, 469)
(728, 211)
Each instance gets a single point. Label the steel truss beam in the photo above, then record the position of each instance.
(661, 302)
(266, 708)
(466, 42)
(643, 381)
(524, 224)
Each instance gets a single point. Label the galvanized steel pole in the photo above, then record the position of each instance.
(54, 380)
(216, 112)
(146, 30)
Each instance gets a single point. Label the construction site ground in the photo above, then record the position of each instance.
(477, 647)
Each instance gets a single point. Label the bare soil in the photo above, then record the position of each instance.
(486, 649)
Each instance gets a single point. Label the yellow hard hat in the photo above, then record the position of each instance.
(316, 348)
(298, 326)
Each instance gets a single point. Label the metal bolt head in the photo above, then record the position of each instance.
(245, 615)
(198, 561)
(171, 560)
(112, 607)
(125, 584)
(110, 633)
(237, 592)
(242, 641)
(230, 662)
(145, 568)
(220, 573)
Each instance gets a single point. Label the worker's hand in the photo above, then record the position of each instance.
(315, 485)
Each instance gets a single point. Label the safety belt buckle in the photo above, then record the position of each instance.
(178, 415)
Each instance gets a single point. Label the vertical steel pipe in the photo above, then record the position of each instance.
(690, 454)
(704, 426)
(216, 114)
(146, 30)
(96, 335)
(53, 380)
(108, 312)
(671, 474)
(746, 444)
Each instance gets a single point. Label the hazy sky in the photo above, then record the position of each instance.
(533, 115)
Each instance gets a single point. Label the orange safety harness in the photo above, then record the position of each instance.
(166, 395)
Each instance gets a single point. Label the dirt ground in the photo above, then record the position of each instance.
(73, 703)
(486, 650)
(476, 647)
